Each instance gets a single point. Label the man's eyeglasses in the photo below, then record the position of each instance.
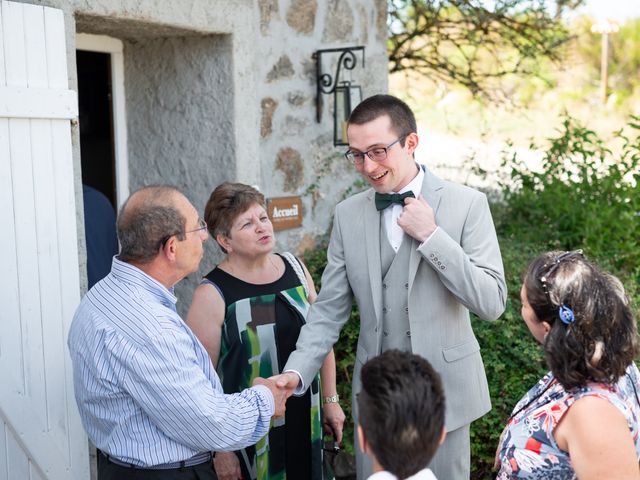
(202, 225)
(377, 154)
(553, 266)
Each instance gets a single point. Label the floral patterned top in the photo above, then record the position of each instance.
(527, 448)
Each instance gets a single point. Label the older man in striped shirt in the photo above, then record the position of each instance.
(148, 395)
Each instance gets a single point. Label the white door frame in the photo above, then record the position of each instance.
(113, 46)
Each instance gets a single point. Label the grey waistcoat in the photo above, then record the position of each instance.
(395, 290)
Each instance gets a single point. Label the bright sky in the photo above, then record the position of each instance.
(612, 9)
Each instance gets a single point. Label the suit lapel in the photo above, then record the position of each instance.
(431, 190)
(372, 244)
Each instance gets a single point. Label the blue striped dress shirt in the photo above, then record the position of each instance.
(145, 386)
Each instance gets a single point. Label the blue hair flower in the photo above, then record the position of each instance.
(566, 315)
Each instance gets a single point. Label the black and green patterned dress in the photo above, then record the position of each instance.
(261, 327)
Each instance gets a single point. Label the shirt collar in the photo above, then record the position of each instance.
(424, 474)
(128, 273)
(383, 475)
(415, 185)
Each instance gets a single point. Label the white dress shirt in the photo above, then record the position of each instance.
(425, 474)
(390, 215)
(145, 387)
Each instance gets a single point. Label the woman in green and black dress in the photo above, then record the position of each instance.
(248, 312)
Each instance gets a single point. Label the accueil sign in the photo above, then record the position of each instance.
(285, 212)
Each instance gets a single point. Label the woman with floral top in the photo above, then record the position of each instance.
(581, 419)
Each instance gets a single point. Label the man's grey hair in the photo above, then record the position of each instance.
(146, 221)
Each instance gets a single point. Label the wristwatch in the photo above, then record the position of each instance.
(332, 399)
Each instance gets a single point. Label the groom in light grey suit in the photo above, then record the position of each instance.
(417, 254)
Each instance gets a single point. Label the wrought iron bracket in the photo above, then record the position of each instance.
(326, 83)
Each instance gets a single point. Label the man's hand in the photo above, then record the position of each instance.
(288, 381)
(279, 394)
(417, 218)
(333, 420)
(227, 466)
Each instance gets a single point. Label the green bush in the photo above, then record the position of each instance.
(513, 361)
(344, 349)
(584, 196)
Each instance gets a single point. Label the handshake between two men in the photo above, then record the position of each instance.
(282, 387)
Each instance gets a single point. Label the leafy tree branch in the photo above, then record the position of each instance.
(475, 43)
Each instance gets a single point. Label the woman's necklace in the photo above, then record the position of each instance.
(275, 267)
(551, 381)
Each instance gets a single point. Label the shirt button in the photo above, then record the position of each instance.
(384, 285)
(375, 329)
(385, 334)
(384, 310)
(406, 309)
(408, 333)
(406, 286)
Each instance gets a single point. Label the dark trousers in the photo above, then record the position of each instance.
(110, 471)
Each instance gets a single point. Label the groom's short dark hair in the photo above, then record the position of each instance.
(403, 121)
(401, 411)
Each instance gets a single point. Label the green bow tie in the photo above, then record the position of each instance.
(383, 200)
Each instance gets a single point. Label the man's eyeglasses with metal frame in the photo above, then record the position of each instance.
(376, 154)
(202, 225)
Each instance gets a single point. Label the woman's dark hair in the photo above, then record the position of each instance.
(602, 340)
(226, 202)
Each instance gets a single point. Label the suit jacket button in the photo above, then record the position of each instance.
(406, 286)
(375, 329)
(385, 333)
(408, 333)
(384, 285)
(384, 310)
(431, 255)
(406, 309)
(442, 267)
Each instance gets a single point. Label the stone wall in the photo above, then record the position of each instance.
(191, 106)
(225, 90)
(296, 153)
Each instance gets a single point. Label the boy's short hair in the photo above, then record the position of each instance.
(401, 411)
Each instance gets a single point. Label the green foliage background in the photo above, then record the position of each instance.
(585, 195)
(624, 55)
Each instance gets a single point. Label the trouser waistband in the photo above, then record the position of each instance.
(189, 462)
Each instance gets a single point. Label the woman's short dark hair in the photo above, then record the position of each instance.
(602, 340)
(152, 219)
(226, 202)
(401, 411)
(403, 121)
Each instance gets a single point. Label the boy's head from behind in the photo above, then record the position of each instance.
(400, 412)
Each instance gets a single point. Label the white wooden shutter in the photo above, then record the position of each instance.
(41, 436)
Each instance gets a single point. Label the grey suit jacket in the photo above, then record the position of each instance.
(459, 268)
